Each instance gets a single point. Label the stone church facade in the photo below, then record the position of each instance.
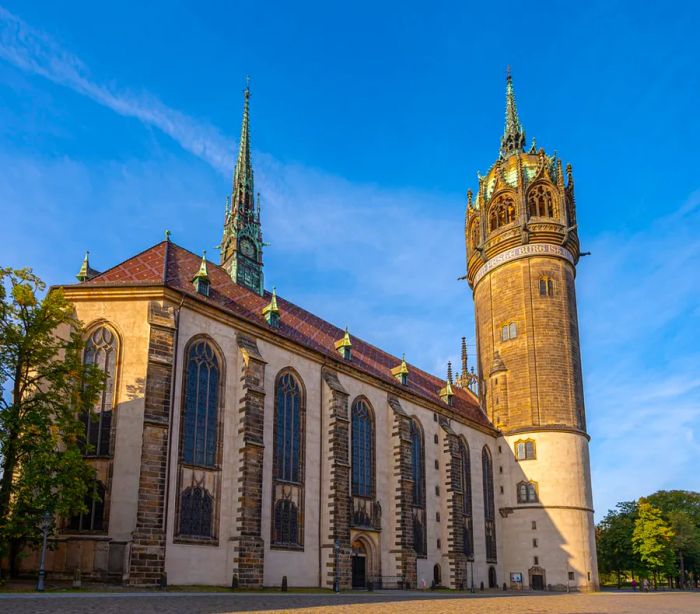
(241, 439)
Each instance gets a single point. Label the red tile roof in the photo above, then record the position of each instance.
(296, 324)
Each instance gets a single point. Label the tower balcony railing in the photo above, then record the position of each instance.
(365, 513)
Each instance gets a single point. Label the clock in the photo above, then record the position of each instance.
(247, 248)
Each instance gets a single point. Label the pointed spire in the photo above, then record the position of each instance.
(401, 372)
(464, 356)
(447, 393)
(344, 345)
(243, 173)
(202, 273)
(514, 134)
(201, 277)
(84, 272)
(271, 311)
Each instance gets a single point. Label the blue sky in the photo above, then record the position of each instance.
(369, 122)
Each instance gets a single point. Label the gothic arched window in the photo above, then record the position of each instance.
(489, 507)
(362, 449)
(466, 479)
(288, 430)
(101, 350)
(201, 406)
(93, 519)
(502, 212)
(196, 512)
(541, 202)
(418, 475)
(475, 234)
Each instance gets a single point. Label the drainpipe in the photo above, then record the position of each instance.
(171, 428)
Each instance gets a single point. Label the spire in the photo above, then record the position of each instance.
(201, 277)
(271, 311)
(86, 272)
(514, 134)
(401, 372)
(344, 345)
(464, 356)
(446, 394)
(242, 243)
(243, 173)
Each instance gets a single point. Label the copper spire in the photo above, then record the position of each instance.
(243, 194)
(514, 134)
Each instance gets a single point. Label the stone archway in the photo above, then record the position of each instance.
(537, 577)
(365, 560)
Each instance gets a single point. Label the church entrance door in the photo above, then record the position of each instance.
(537, 582)
(358, 571)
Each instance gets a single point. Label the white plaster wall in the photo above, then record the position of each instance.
(206, 564)
(130, 320)
(564, 516)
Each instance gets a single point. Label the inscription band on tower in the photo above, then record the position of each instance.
(523, 251)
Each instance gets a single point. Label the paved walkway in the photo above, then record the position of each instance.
(355, 603)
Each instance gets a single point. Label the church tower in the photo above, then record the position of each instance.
(242, 244)
(522, 251)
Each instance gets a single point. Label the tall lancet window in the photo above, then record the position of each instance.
(467, 520)
(101, 349)
(418, 475)
(288, 463)
(362, 449)
(489, 507)
(200, 412)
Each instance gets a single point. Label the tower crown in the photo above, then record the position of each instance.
(242, 243)
(524, 198)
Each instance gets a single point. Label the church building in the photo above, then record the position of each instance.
(241, 439)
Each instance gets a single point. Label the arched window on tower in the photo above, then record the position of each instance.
(467, 520)
(546, 285)
(489, 506)
(527, 492)
(541, 202)
(201, 406)
(418, 475)
(502, 212)
(101, 350)
(362, 449)
(475, 234)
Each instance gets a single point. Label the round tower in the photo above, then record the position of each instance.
(522, 252)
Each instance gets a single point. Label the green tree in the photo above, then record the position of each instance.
(614, 541)
(652, 539)
(681, 508)
(45, 387)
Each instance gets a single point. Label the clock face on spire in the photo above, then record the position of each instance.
(247, 248)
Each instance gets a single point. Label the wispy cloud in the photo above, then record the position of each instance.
(36, 52)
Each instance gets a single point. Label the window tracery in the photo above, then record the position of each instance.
(288, 462)
(101, 350)
(541, 202)
(362, 449)
(196, 512)
(502, 212)
(489, 506)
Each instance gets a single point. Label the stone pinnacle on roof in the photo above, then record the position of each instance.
(86, 272)
(401, 372)
(271, 311)
(447, 393)
(344, 345)
(202, 273)
(514, 134)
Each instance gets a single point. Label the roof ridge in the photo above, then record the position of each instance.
(141, 253)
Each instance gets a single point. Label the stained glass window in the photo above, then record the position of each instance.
(196, 512)
(362, 450)
(466, 478)
(288, 430)
(417, 465)
(286, 523)
(101, 350)
(93, 519)
(200, 420)
(489, 507)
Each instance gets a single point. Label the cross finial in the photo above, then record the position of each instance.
(167, 235)
(508, 71)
